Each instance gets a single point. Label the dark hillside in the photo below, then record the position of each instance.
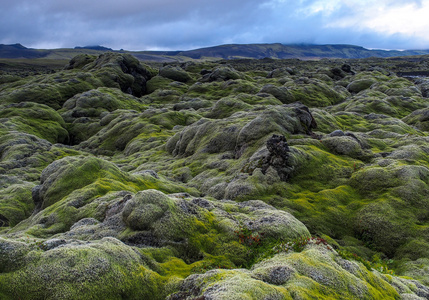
(233, 51)
(19, 51)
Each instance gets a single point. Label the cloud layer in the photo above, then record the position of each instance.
(187, 24)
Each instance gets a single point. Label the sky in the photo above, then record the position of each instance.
(190, 24)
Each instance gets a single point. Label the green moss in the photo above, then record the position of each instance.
(313, 273)
(37, 119)
(174, 73)
(94, 103)
(329, 211)
(226, 107)
(369, 196)
(145, 208)
(25, 156)
(74, 174)
(211, 91)
(321, 272)
(283, 94)
(171, 118)
(107, 267)
(16, 203)
(326, 122)
(317, 93)
(121, 128)
(321, 167)
(258, 99)
(236, 285)
(419, 119)
(398, 87)
(375, 179)
(344, 145)
(359, 85)
(417, 269)
(175, 267)
(53, 90)
(157, 82)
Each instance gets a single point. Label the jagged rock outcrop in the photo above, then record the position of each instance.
(278, 157)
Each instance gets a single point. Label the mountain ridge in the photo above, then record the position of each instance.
(227, 51)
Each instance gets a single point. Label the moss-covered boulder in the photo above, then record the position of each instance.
(314, 92)
(121, 71)
(398, 87)
(52, 90)
(226, 107)
(174, 73)
(96, 103)
(124, 130)
(157, 82)
(238, 130)
(199, 227)
(34, 118)
(79, 270)
(66, 175)
(386, 223)
(281, 72)
(316, 272)
(222, 74)
(16, 203)
(419, 118)
(83, 112)
(193, 103)
(344, 145)
(145, 208)
(79, 61)
(280, 93)
(359, 85)
(25, 156)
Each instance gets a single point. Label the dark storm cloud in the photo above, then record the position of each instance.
(168, 24)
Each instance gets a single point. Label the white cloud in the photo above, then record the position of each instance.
(408, 19)
(185, 24)
(324, 7)
(386, 17)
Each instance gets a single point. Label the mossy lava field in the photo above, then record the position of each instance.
(241, 179)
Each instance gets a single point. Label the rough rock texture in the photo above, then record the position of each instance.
(278, 157)
(316, 272)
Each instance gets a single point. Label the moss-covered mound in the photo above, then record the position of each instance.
(110, 70)
(79, 270)
(317, 272)
(240, 179)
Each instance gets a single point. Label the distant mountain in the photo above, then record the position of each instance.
(19, 51)
(281, 51)
(233, 51)
(99, 48)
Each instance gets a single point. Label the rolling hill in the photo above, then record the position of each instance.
(232, 51)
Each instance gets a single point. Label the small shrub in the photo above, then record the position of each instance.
(249, 238)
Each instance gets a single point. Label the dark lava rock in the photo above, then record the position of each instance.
(4, 222)
(278, 156)
(305, 116)
(347, 68)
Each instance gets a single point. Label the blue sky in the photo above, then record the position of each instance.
(189, 24)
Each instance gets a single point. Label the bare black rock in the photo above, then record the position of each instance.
(278, 157)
